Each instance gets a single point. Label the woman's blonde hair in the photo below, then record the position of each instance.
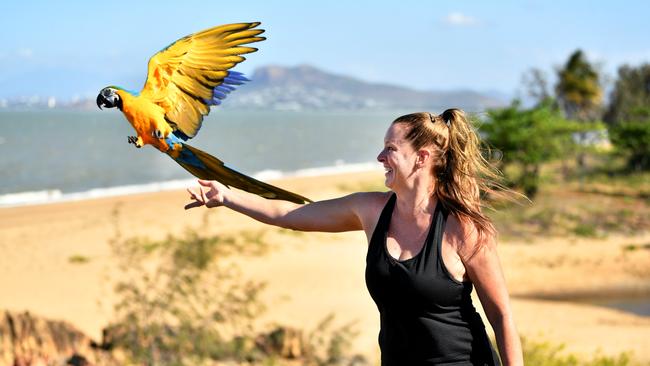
(461, 171)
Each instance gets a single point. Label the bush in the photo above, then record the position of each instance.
(547, 354)
(632, 139)
(182, 304)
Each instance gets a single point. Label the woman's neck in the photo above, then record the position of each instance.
(417, 199)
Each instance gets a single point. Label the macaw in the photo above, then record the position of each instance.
(184, 80)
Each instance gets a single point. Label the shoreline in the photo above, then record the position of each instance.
(632, 302)
(49, 196)
(38, 272)
(588, 296)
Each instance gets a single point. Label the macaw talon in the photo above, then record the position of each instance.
(134, 140)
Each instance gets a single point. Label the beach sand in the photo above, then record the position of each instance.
(56, 262)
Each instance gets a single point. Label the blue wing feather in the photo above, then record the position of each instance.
(180, 135)
(216, 93)
(219, 93)
(232, 79)
(223, 87)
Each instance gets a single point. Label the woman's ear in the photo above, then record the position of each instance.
(423, 156)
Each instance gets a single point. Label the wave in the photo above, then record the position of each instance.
(56, 195)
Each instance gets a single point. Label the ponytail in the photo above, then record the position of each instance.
(466, 172)
(460, 170)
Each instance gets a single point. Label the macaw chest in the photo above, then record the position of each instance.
(148, 129)
(141, 122)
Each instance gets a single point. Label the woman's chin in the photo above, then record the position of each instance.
(388, 182)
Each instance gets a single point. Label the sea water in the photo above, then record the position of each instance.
(53, 155)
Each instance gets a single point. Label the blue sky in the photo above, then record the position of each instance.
(72, 48)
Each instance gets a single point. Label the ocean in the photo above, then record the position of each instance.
(58, 155)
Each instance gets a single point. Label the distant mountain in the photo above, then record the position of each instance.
(272, 87)
(307, 88)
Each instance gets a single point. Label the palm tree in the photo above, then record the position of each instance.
(579, 93)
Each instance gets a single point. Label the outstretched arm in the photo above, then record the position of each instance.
(335, 215)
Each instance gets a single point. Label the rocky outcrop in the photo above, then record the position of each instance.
(28, 340)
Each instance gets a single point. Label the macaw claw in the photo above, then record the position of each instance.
(134, 140)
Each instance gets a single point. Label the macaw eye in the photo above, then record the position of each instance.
(107, 92)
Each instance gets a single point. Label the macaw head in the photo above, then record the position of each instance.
(109, 98)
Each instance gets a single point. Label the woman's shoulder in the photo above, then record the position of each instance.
(463, 234)
(368, 206)
(372, 200)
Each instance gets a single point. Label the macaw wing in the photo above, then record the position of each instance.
(191, 74)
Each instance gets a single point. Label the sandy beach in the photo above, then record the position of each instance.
(311, 275)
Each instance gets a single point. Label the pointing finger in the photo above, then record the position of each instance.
(193, 204)
(196, 194)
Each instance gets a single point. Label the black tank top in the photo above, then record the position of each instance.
(427, 317)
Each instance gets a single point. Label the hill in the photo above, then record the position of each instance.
(305, 87)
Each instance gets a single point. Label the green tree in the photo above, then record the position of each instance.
(630, 99)
(578, 89)
(527, 138)
(579, 94)
(628, 116)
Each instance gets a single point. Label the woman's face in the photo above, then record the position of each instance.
(398, 156)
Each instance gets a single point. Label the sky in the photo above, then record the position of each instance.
(70, 49)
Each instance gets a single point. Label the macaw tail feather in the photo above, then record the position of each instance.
(205, 166)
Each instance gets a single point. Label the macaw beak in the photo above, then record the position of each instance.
(101, 101)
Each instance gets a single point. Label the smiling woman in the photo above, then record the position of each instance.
(429, 242)
(458, 165)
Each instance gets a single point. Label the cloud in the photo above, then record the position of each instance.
(25, 53)
(460, 20)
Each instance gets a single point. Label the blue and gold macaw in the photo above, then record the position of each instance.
(184, 80)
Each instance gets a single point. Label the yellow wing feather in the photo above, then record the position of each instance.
(182, 76)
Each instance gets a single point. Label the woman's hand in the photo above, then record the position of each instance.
(209, 193)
